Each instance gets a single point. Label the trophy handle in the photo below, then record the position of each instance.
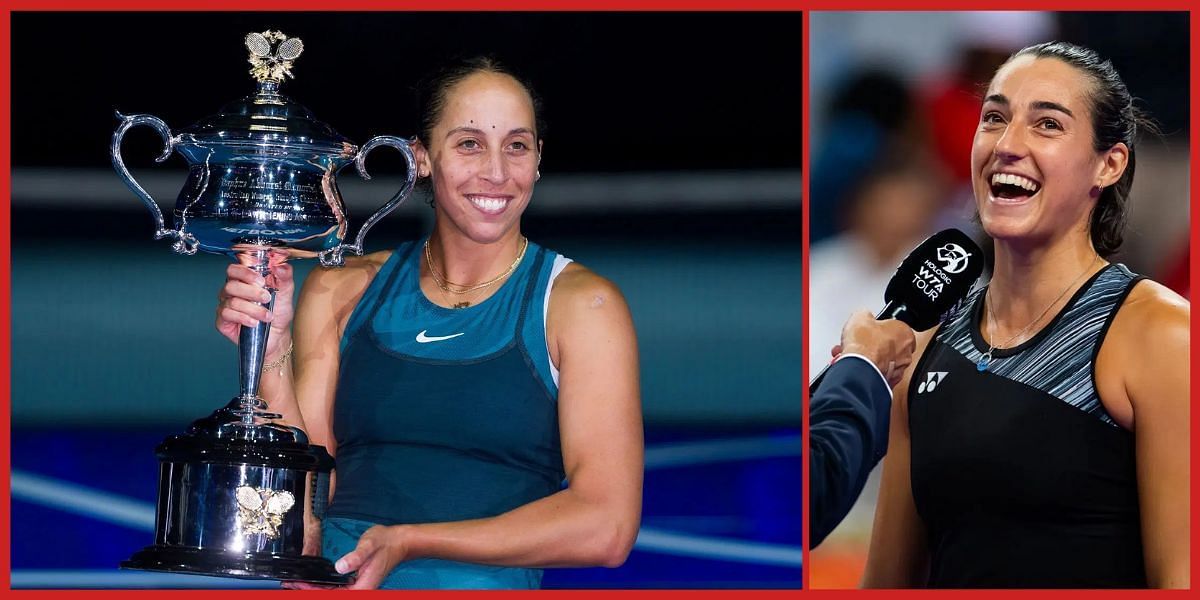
(333, 257)
(185, 243)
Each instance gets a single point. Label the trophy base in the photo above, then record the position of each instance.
(194, 561)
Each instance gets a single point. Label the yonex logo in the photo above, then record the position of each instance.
(932, 379)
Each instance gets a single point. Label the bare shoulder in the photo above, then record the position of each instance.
(338, 288)
(1161, 301)
(585, 308)
(357, 272)
(1153, 318)
(579, 287)
(1143, 360)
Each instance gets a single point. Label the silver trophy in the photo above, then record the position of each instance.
(261, 189)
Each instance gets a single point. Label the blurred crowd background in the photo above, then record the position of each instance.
(665, 170)
(894, 102)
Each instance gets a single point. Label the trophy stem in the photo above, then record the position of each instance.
(268, 88)
(252, 342)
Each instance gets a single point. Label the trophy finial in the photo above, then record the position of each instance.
(271, 55)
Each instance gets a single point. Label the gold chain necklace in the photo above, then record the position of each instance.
(986, 359)
(449, 300)
(445, 285)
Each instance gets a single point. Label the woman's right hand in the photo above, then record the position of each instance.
(241, 302)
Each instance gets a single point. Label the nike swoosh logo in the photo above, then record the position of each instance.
(425, 339)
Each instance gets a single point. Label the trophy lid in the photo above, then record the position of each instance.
(268, 117)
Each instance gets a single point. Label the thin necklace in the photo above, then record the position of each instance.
(445, 285)
(986, 359)
(453, 304)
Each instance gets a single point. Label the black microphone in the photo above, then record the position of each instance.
(934, 277)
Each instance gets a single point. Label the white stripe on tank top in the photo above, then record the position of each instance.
(560, 263)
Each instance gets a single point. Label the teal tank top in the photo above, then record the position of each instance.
(447, 414)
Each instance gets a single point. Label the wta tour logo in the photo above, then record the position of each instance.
(931, 279)
(954, 256)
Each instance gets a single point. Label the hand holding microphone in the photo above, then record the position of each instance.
(850, 417)
(887, 343)
(934, 277)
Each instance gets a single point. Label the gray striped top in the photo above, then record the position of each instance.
(1059, 359)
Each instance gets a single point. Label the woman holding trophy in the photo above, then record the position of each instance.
(460, 380)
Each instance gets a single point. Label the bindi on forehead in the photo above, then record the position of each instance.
(501, 104)
(472, 121)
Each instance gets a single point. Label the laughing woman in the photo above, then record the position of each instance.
(461, 379)
(1053, 451)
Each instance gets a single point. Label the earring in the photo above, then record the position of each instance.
(537, 175)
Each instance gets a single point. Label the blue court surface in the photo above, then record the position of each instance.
(721, 510)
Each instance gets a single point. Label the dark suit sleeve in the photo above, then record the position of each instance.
(848, 433)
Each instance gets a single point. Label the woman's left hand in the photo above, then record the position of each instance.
(379, 550)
